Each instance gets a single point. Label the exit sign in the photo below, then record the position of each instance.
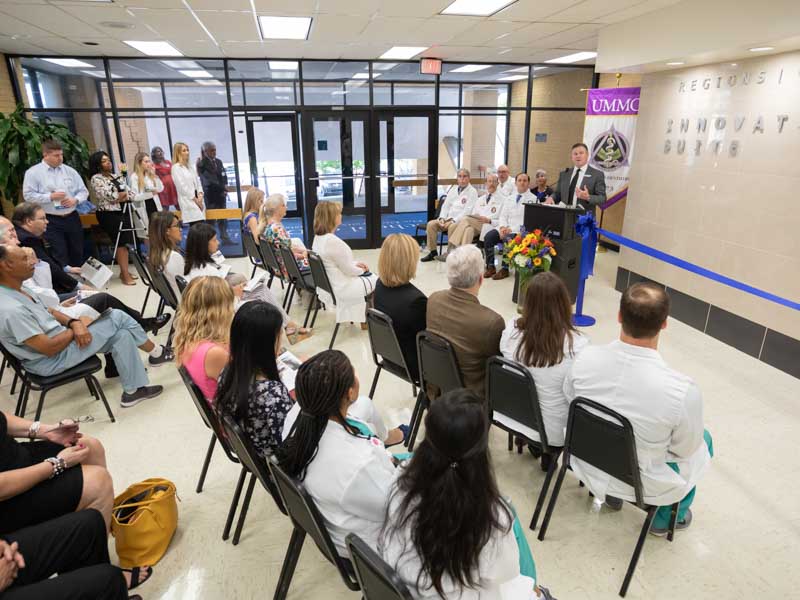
(430, 66)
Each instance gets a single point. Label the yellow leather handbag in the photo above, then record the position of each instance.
(143, 522)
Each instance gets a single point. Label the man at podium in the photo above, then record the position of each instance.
(580, 184)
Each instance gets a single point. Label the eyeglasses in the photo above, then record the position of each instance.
(177, 225)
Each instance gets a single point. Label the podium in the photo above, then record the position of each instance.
(558, 222)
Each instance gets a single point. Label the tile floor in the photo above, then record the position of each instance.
(744, 542)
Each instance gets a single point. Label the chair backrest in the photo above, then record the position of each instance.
(138, 264)
(319, 274)
(377, 579)
(510, 390)
(164, 289)
(269, 256)
(181, 283)
(305, 515)
(604, 439)
(13, 362)
(383, 341)
(438, 364)
(250, 246)
(207, 413)
(292, 269)
(243, 446)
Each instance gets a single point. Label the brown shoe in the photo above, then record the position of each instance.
(501, 274)
(489, 272)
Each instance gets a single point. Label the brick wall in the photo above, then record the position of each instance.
(6, 91)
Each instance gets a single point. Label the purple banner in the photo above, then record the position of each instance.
(613, 101)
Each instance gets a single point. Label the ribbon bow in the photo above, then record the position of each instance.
(586, 227)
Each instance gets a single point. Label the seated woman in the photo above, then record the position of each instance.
(165, 253)
(398, 298)
(539, 188)
(202, 329)
(252, 209)
(271, 227)
(346, 470)
(351, 281)
(448, 533)
(544, 340)
(250, 387)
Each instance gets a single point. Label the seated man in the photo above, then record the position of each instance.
(458, 316)
(459, 202)
(512, 216)
(485, 216)
(49, 342)
(664, 407)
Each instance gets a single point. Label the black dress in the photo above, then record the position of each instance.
(46, 500)
(406, 305)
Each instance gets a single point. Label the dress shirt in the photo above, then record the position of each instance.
(574, 200)
(512, 214)
(42, 179)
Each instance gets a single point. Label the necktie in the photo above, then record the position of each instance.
(519, 197)
(488, 198)
(572, 185)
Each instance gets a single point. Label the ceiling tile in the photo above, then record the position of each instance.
(20, 47)
(530, 35)
(224, 26)
(486, 31)
(287, 7)
(413, 8)
(162, 4)
(198, 48)
(533, 11)
(635, 11)
(49, 18)
(403, 31)
(11, 26)
(174, 26)
(337, 28)
(361, 50)
(574, 34)
(244, 49)
(365, 8)
(592, 9)
(243, 5)
(589, 43)
(96, 16)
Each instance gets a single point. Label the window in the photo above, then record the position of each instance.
(61, 82)
(335, 83)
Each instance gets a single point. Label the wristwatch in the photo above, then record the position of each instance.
(59, 465)
(33, 430)
(71, 321)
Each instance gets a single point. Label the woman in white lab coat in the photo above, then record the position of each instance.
(145, 186)
(346, 470)
(448, 533)
(187, 183)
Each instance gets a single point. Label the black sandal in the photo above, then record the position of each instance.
(135, 573)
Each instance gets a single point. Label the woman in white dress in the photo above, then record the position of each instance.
(187, 183)
(544, 340)
(145, 186)
(166, 234)
(449, 534)
(351, 280)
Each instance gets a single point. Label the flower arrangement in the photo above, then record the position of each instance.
(529, 253)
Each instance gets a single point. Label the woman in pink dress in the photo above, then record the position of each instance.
(163, 167)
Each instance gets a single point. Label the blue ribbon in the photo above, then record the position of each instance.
(586, 227)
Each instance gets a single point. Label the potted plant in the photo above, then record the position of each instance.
(21, 147)
(528, 254)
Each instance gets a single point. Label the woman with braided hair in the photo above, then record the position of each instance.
(343, 466)
(448, 533)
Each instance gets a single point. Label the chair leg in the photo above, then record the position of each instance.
(102, 394)
(14, 383)
(510, 441)
(171, 333)
(26, 387)
(253, 274)
(3, 369)
(333, 337)
(161, 306)
(311, 303)
(234, 504)
(18, 409)
(146, 298)
(243, 512)
(271, 278)
(41, 404)
(290, 563)
(207, 462)
(91, 389)
(413, 390)
(651, 512)
(289, 296)
(552, 504)
(416, 420)
(316, 310)
(543, 493)
(673, 521)
(375, 381)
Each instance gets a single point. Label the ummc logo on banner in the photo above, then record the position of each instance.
(615, 106)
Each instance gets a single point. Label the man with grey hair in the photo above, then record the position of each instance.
(214, 180)
(459, 203)
(458, 316)
(505, 181)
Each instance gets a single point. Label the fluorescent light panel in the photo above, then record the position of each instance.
(761, 48)
(197, 74)
(470, 68)
(675, 63)
(572, 58)
(513, 78)
(402, 52)
(282, 65)
(366, 75)
(383, 66)
(181, 64)
(208, 82)
(284, 28)
(154, 48)
(69, 62)
(101, 74)
(476, 8)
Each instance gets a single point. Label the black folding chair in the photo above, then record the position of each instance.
(169, 299)
(438, 374)
(511, 392)
(218, 435)
(270, 261)
(181, 283)
(386, 352)
(252, 250)
(44, 383)
(378, 580)
(320, 277)
(143, 272)
(255, 465)
(603, 438)
(306, 519)
(424, 226)
(298, 280)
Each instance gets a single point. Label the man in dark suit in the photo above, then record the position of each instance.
(214, 180)
(581, 184)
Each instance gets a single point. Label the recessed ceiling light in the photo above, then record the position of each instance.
(572, 58)
(154, 48)
(676, 63)
(69, 62)
(470, 68)
(284, 75)
(402, 52)
(366, 75)
(383, 66)
(181, 64)
(282, 65)
(208, 82)
(476, 8)
(284, 28)
(512, 78)
(197, 74)
(101, 74)
(117, 24)
(146, 89)
(90, 43)
(761, 48)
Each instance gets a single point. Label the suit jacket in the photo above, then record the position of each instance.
(473, 329)
(63, 283)
(214, 180)
(407, 306)
(593, 179)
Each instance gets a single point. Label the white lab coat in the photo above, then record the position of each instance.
(187, 183)
(151, 188)
(508, 188)
(491, 209)
(362, 410)
(665, 409)
(549, 381)
(498, 576)
(513, 213)
(457, 205)
(347, 281)
(174, 267)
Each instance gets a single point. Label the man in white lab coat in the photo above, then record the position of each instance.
(485, 216)
(664, 407)
(459, 203)
(506, 183)
(512, 217)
